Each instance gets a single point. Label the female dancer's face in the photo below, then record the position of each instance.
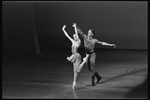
(75, 37)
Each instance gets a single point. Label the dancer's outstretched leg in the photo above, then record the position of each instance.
(82, 64)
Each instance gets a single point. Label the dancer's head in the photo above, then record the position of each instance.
(75, 37)
(91, 33)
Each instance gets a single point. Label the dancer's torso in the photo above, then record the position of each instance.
(89, 45)
(75, 47)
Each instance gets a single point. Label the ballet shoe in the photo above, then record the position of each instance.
(98, 77)
(85, 58)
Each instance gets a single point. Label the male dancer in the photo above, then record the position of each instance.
(89, 44)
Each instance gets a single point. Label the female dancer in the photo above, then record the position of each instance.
(75, 58)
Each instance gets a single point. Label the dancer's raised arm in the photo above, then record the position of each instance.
(104, 43)
(66, 34)
(80, 32)
(75, 29)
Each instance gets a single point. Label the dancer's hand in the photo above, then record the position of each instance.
(113, 45)
(74, 25)
(63, 27)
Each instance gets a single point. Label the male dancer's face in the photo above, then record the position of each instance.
(90, 34)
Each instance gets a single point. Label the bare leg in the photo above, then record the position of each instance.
(91, 66)
(74, 81)
(94, 73)
(92, 62)
(82, 64)
(76, 64)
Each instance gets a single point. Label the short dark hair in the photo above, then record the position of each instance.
(93, 32)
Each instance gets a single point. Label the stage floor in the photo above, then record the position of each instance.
(50, 76)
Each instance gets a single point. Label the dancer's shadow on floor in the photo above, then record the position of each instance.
(86, 86)
(127, 72)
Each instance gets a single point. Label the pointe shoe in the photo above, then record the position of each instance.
(74, 86)
(85, 58)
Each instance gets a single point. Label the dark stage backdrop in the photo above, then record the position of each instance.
(36, 26)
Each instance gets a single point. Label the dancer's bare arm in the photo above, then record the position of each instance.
(104, 43)
(80, 32)
(66, 34)
(75, 29)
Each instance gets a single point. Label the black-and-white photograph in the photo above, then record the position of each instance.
(74, 49)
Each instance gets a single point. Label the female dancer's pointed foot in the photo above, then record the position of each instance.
(85, 58)
(74, 86)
